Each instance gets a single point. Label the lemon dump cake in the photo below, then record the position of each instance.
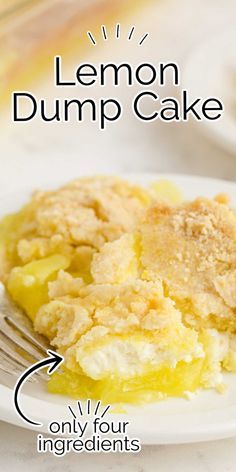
(134, 287)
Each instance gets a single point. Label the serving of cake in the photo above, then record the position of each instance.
(133, 286)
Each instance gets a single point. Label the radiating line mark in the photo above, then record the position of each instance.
(104, 32)
(80, 409)
(131, 33)
(88, 406)
(97, 408)
(72, 412)
(118, 30)
(91, 38)
(106, 410)
(143, 39)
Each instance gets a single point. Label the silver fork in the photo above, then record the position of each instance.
(20, 346)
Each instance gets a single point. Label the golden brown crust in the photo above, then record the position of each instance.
(90, 210)
(189, 247)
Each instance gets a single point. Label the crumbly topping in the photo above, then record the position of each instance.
(115, 262)
(93, 317)
(192, 248)
(121, 308)
(90, 211)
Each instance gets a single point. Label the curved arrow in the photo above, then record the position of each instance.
(53, 362)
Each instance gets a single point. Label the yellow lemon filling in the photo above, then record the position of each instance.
(155, 385)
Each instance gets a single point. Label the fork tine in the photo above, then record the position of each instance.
(20, 342)
(25, 332)
(25, 345)
(10, 367)
(7, 362)
(7, 371)
(12, 353)
(16, 359)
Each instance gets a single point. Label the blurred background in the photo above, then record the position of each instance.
(198, 34)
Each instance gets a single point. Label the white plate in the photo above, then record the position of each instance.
(208, 416)
(211, 71)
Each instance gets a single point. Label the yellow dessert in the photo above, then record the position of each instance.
(135, 287)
